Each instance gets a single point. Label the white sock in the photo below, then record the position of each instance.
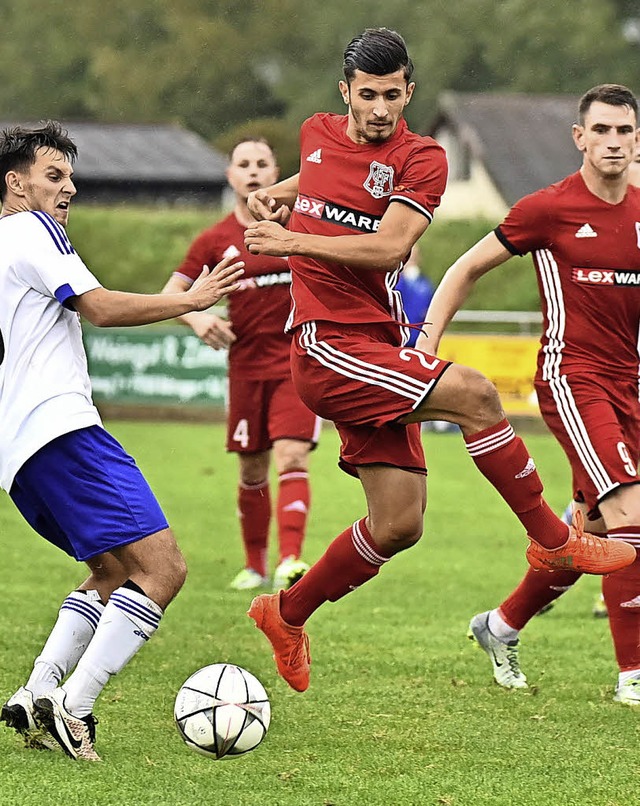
(77, 620)
(129, 620)
(624, 677)
(501, 630)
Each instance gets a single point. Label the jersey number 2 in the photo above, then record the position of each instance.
(407, 354)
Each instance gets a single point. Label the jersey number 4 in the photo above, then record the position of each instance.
(241, 434)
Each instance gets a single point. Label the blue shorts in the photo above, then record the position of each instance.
(86, 495)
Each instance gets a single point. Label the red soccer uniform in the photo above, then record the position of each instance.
(258, 310)
(348, 362)
(344, 189)
(263, 405)
(587, 258)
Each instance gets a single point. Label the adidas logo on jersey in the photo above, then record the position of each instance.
(586, 231)
(315, 156)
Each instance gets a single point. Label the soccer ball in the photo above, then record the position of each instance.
(222, 711)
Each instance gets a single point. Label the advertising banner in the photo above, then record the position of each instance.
(155, 365)
(507, 360)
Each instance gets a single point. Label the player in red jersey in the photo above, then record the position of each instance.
(366, 191)
(266, 415)
(584, 235)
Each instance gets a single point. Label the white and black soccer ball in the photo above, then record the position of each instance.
(222, 711)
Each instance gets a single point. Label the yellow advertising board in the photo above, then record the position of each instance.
(509, 361)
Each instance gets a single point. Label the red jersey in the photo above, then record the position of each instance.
(258, 310)
(587, 258)
(344, 189)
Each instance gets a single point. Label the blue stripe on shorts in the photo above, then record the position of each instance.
(86, 495)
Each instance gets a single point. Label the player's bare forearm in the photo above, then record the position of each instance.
(105, 308)
(382, 250)
(176, 285)
(456, 285)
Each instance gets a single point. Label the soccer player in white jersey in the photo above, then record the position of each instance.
(584, 235)
(71, 481)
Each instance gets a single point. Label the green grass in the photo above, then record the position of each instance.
(401, 710)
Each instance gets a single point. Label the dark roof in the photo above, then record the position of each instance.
(523, 140)
(159, 153)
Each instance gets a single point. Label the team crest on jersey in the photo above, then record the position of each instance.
(379, 183)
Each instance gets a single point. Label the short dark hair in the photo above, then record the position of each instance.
(250, 139)
(18, 147)
(612, 94)
(377, 51)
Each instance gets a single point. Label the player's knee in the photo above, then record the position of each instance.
(398, 535)
(290, 455)
(482, 392)
(178, 572)
(481, 400)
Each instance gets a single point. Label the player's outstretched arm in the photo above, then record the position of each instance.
(213, 330)
(274, 203)
(105, 308)
(456, 285)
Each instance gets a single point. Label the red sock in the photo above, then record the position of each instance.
(622, 596)
(350, 561)
(254, 511)
(503, 459)
(536, 589)
(294, 498)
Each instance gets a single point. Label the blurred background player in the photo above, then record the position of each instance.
(366, 192)
(266, 416)
(584, 235)
(70, 480)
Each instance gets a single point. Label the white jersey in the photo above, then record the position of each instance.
(44, 382)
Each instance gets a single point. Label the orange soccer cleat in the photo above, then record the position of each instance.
(583, 552)
(290, 644)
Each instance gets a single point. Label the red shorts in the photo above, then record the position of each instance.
(356, 377)
(597, 422)
(261, 412)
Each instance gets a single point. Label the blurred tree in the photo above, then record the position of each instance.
(213, 65)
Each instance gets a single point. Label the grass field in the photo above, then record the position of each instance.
(401, 710)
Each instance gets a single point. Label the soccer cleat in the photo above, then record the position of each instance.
(288, 573)
(75, 735)
(599, 609)
(503, 657)
(248, 580)
(583, 552)
(628, 693)
(18, 713)
(290, 644)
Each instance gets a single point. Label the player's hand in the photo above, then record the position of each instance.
(263, 207)
(216, 283)
(269, 238)
(212, 330)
